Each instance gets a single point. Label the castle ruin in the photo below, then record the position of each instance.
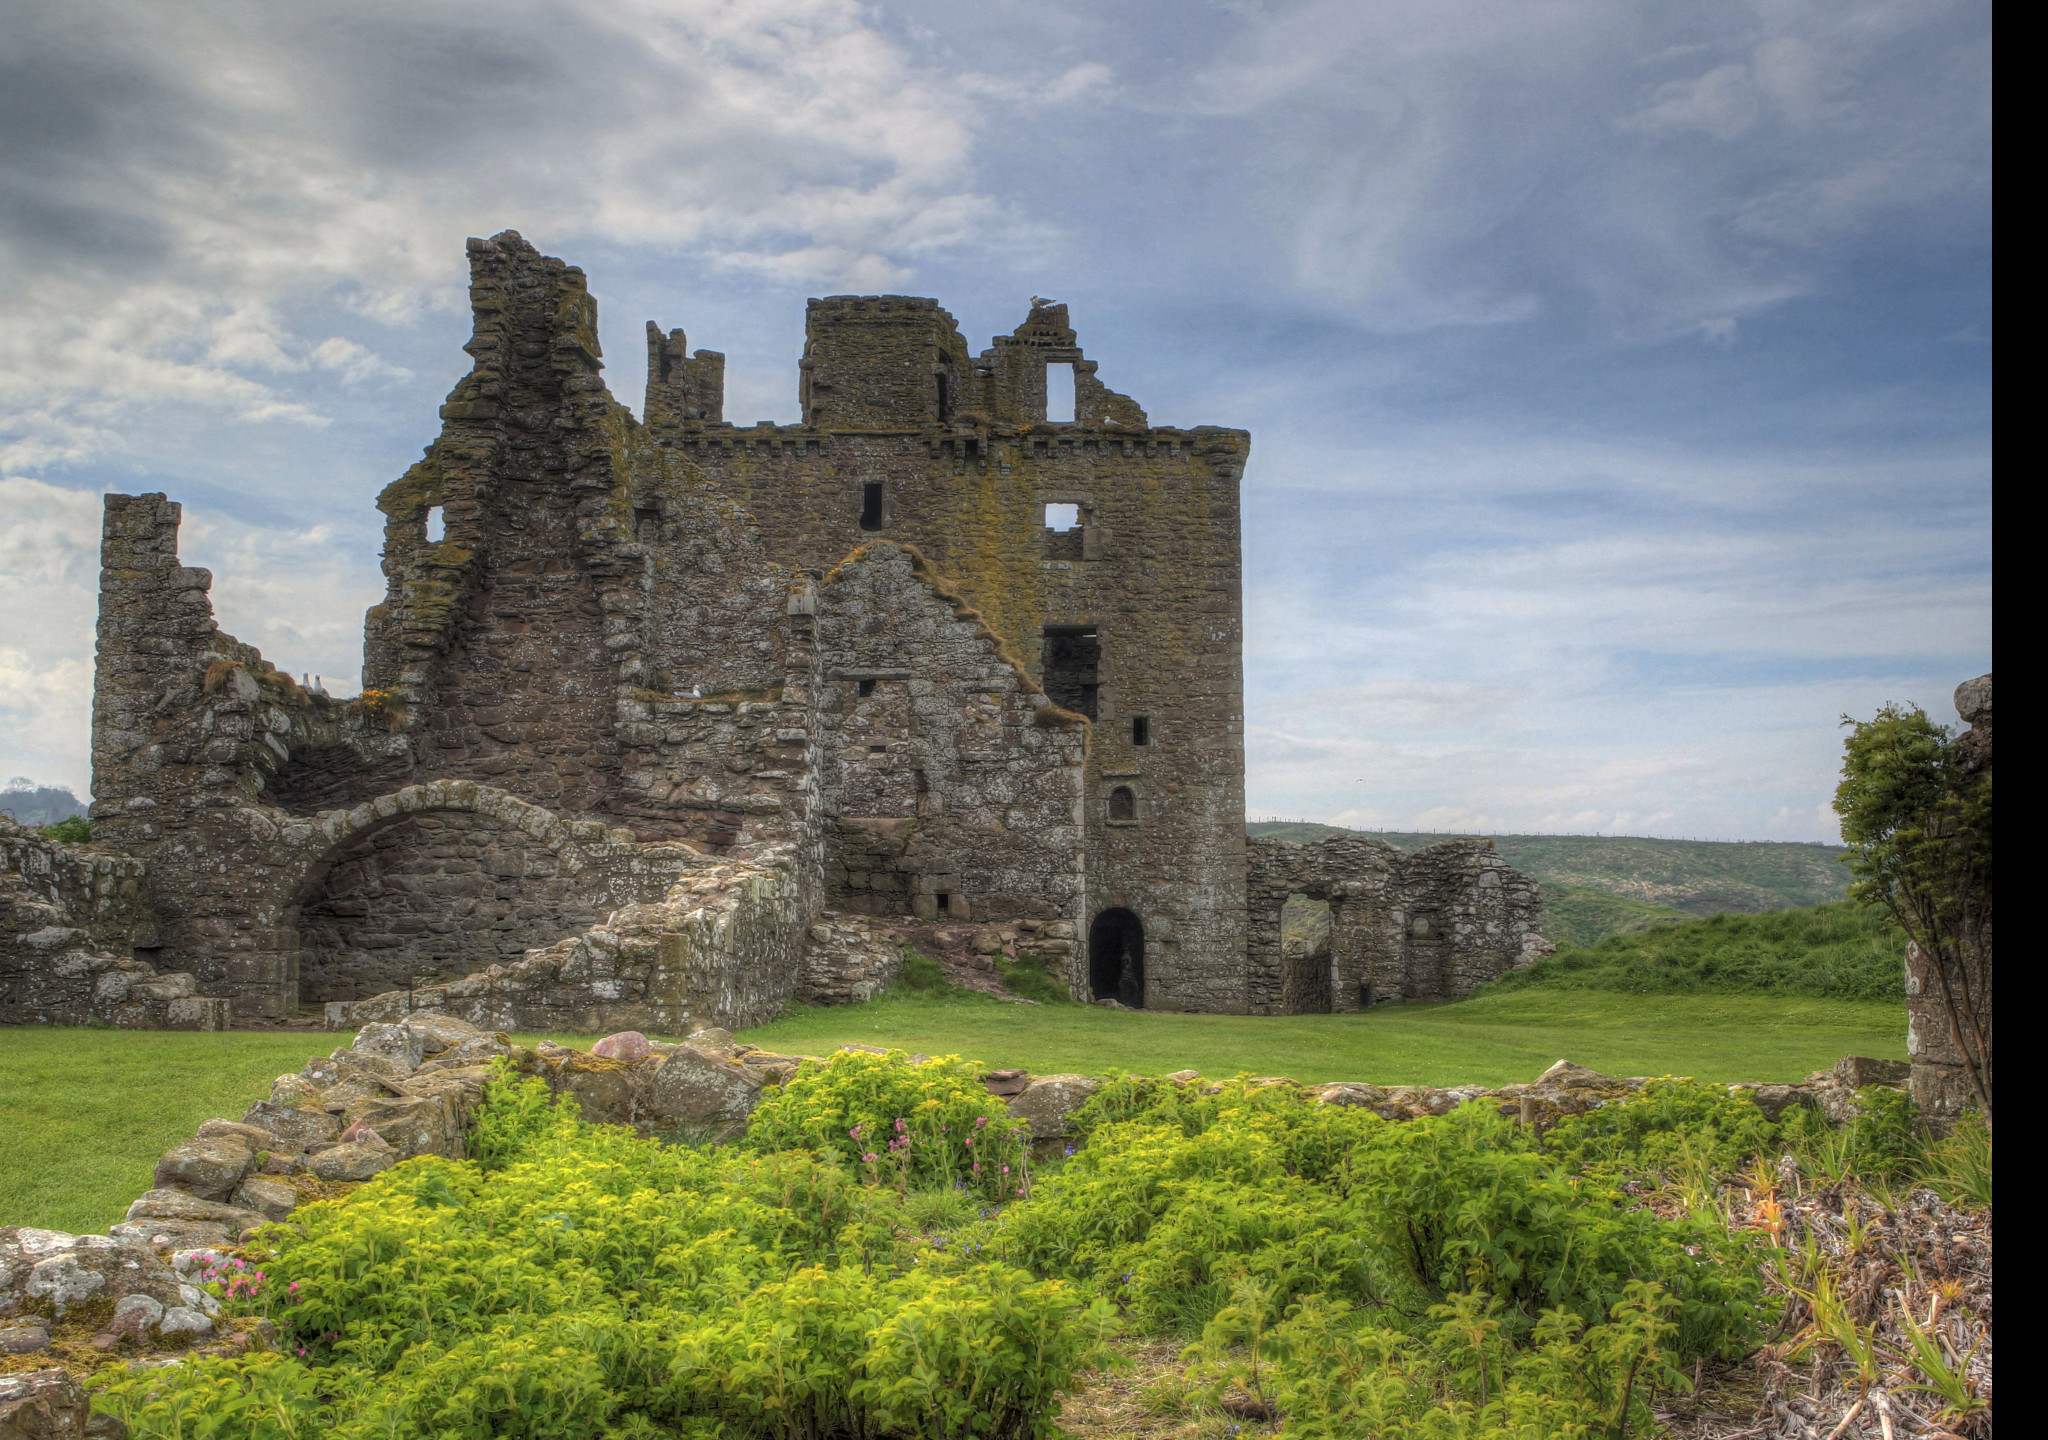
(646, 700)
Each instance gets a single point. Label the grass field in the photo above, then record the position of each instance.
(85, 1113)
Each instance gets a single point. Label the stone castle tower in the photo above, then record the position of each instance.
(647, 697)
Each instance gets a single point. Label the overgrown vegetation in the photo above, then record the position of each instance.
(1840, 951)
(73, 830)
(1329, 1273)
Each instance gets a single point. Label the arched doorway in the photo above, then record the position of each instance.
(1116, 958)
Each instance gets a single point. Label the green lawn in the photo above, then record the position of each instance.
(1494, 1039)
(85, 1113)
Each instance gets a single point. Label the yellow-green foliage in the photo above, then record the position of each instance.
(596, 1284)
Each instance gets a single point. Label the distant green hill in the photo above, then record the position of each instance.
(1600, 885)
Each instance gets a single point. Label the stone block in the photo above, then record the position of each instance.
(702, 1093)
(1048, 1103)
(209, 1168)
(352, 1162)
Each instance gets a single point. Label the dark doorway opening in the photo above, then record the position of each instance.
(1116, 958)
(871, 506)
(1073, 659)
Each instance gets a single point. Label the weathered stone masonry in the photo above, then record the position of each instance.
(646, 697)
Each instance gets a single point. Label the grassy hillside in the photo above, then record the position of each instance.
(1834, 952)
(1600, 885)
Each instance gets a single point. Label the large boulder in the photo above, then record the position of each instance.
(297, 1128)
(607, 1092)
(65, 1269)
(701, 1093)
(268, 1196)
(1048, 1104)
(412, 1124)
(210, 1168)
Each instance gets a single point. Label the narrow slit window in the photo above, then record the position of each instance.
(1141, 730)
(1062, 517)
(1059, 392)
(437, 525)
(871, 505)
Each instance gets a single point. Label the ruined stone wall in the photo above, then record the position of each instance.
(1157, 579)
(953, 783)
(1432, 925)
(75, 933)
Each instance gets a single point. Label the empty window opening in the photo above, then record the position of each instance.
(1116, 958)
(1072, 663)
(437, 525)
(945, 397)
(1059, 392)
(1123, 803)
(871, 505)
(878, 749)
(647, 525)
(865, 687)
(1141, 729)
(1062, 517)
(945, 903)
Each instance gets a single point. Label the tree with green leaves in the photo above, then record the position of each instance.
(1915, 805)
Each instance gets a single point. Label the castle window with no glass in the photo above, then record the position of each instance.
(1123, 804)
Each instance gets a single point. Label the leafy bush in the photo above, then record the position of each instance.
(1838, 951)
(924, 1125)
(72, 830)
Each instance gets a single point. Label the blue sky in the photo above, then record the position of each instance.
(1618, 373)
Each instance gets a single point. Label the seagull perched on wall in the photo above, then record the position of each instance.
(1039, 302)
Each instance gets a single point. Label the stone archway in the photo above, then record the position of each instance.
(1116, 958)
(429, 883)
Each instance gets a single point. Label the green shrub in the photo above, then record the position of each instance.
(917, 1126)
(1958, 1165)
(72, 830)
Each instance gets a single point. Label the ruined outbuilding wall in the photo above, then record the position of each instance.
(1431, 925)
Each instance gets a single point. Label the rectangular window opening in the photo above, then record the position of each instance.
(865, 687)
(1072, 667)
(437, 525)
(1062, 516)
(1141, 730)
(945, 903)
(871, 505)
(1059, 392)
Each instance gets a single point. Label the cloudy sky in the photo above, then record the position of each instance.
(1618, 371)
